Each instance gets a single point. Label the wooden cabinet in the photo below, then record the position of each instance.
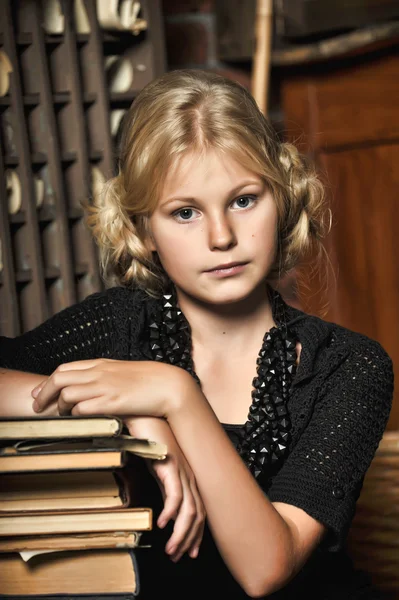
(345, 111)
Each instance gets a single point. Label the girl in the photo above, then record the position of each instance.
(271, 416)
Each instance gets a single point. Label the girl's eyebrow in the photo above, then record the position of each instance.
(235, 190)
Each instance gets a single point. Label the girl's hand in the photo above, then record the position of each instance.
(182, 501)
(112, 387)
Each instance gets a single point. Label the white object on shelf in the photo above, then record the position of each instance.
(82, 22)
(119, 73)
(97, 181)
(39, 190)
(120, 15)
(53, 17)
(116, 117)
(13, 185)
(5, 70)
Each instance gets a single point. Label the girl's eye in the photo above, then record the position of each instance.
(184, 214)
(244, 201)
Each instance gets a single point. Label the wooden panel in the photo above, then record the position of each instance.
(307, 17)
(354, 104)
(364, 247)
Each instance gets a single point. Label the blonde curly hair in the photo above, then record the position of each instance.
(181, 112)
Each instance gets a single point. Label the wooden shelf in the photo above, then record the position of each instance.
(81, 269)
(55, 126)
(59, 99)
(75, 213)
(52, 273)
(26, 39)
(11, 161)
(39, 159)
(46, 214)
(57, 39)
(122, 99)
(18, 218)
(23, 275)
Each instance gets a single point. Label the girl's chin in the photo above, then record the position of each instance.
(220, 297)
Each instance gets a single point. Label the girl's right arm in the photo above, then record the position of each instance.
(15, 394)
(96, 327)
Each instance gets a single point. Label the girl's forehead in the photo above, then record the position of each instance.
(205, 161)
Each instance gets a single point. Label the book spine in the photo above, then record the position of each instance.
(136, 571)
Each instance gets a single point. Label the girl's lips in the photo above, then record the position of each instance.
(227, 271)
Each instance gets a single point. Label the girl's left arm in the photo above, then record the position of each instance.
(263, 544)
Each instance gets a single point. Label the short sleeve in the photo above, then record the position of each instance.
(93, 328)
(324, 472)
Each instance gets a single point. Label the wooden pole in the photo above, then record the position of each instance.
(261, 62)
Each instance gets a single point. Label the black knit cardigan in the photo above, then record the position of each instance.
(339, 406)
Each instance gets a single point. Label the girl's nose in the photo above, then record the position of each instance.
(221, 234)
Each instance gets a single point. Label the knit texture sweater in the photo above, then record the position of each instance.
(339, 406)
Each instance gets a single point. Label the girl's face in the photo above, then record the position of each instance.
(214, 229)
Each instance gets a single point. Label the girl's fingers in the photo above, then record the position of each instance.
(54, 385)
(192, 543)
(173, 494)
(196, 543)
(76, 365)
(73, 395)
(201, 516)
(95, 406)
(193, 539)
(38, 388)
(184, 522)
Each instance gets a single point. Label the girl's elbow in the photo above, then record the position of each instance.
(261, 589)
(264, 584)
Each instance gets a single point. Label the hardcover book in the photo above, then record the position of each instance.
(56, 523)
(92, 572)
(80, 490)
(73, 541)
(21, 428)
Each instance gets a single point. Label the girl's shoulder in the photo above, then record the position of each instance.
(117, 294)
(326, 345)
(117, 299)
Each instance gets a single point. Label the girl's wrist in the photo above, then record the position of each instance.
(183, 392)
(148, 427)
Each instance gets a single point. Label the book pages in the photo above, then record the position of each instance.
(31, 553)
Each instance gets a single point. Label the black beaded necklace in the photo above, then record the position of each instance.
(266, 434)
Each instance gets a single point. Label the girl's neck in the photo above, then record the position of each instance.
(228, 327)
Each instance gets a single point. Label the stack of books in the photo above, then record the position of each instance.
(69, 517)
